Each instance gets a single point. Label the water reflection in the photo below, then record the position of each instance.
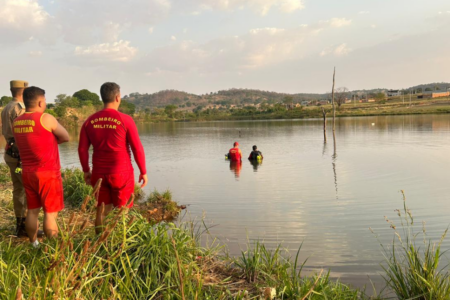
(256, 164)
(293, 199)
(235, 167)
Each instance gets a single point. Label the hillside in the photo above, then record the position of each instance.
(242, 97)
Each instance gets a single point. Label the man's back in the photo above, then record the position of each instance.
(255, 154)
(111, 134)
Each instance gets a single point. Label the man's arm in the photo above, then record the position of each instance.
(51, 124)
(137, 148)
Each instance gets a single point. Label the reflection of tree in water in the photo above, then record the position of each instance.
(334, 159)
(235, 167)
(256, 164)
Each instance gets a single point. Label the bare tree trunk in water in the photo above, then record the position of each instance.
(324, 125)
(334, 108)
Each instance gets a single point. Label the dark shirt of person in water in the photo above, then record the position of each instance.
(255, 153)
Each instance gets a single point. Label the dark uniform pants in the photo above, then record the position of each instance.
(19, 199)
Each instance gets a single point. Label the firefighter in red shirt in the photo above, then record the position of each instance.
(112, 134)
(37, 136)
(235, 154)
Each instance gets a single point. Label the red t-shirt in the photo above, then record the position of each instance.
(111, 133)
(37, 145)
(235, 154)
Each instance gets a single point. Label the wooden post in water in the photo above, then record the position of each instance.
(334, 107)
(324, 125)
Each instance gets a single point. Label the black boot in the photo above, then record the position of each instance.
(20, 228)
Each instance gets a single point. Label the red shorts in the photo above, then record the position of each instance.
(116, 189)
(44, 189)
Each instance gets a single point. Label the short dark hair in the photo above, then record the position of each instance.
(17, 92)
(254, 147)
(31, 95)
(109, 91)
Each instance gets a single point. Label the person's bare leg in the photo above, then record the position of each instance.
(32, 224)
(102, 212)
(50, 225)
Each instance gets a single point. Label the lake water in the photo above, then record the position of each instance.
(302, 192)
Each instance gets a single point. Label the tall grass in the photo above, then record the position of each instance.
(412, 269)
(75, 189)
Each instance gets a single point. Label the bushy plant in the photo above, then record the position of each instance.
(75, 188)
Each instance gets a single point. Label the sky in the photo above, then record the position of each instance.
(202, 46)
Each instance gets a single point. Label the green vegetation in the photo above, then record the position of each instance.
(412, 270)
(5, 176)
(140, 257)
(5, 100)
(75, 189)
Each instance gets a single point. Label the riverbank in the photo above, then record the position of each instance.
(144, 257)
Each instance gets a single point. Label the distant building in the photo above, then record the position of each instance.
(435, 94)
(305, 103)
(394, 93)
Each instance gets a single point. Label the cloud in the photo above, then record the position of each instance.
(339, 22)
(340, 50)
(173, 38)
(261, 7)
(120, 51)
(364, 12)
(85, 22)
(21, 20)
(259, 48)
(35, 53)
(151, 29)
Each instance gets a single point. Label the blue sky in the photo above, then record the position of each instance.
(201, 46)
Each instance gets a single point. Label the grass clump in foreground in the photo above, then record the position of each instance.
(76, 190)
(135, 258)
(412, 270)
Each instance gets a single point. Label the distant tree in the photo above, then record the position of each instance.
(170, 109)
(340, 95)
(67, 101)
(288, 100)
(127, 107)
(428, 89)
(61, 111)
(5, 100)
(85, 95)
(51, 112)
(50, 106)
(419, 90)
(380, 97)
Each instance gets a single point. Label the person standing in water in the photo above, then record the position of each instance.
(255, 154)
(235, 154)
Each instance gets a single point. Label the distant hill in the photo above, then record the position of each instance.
(242, 97)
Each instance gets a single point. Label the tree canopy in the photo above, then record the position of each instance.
(85, 95)
(5, 100)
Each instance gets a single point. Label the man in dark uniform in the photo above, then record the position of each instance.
(11, 111)
(255, 154)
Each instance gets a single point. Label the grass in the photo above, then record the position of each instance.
(139, 257)
(5, 177)
(411, 268)
(76, 190)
